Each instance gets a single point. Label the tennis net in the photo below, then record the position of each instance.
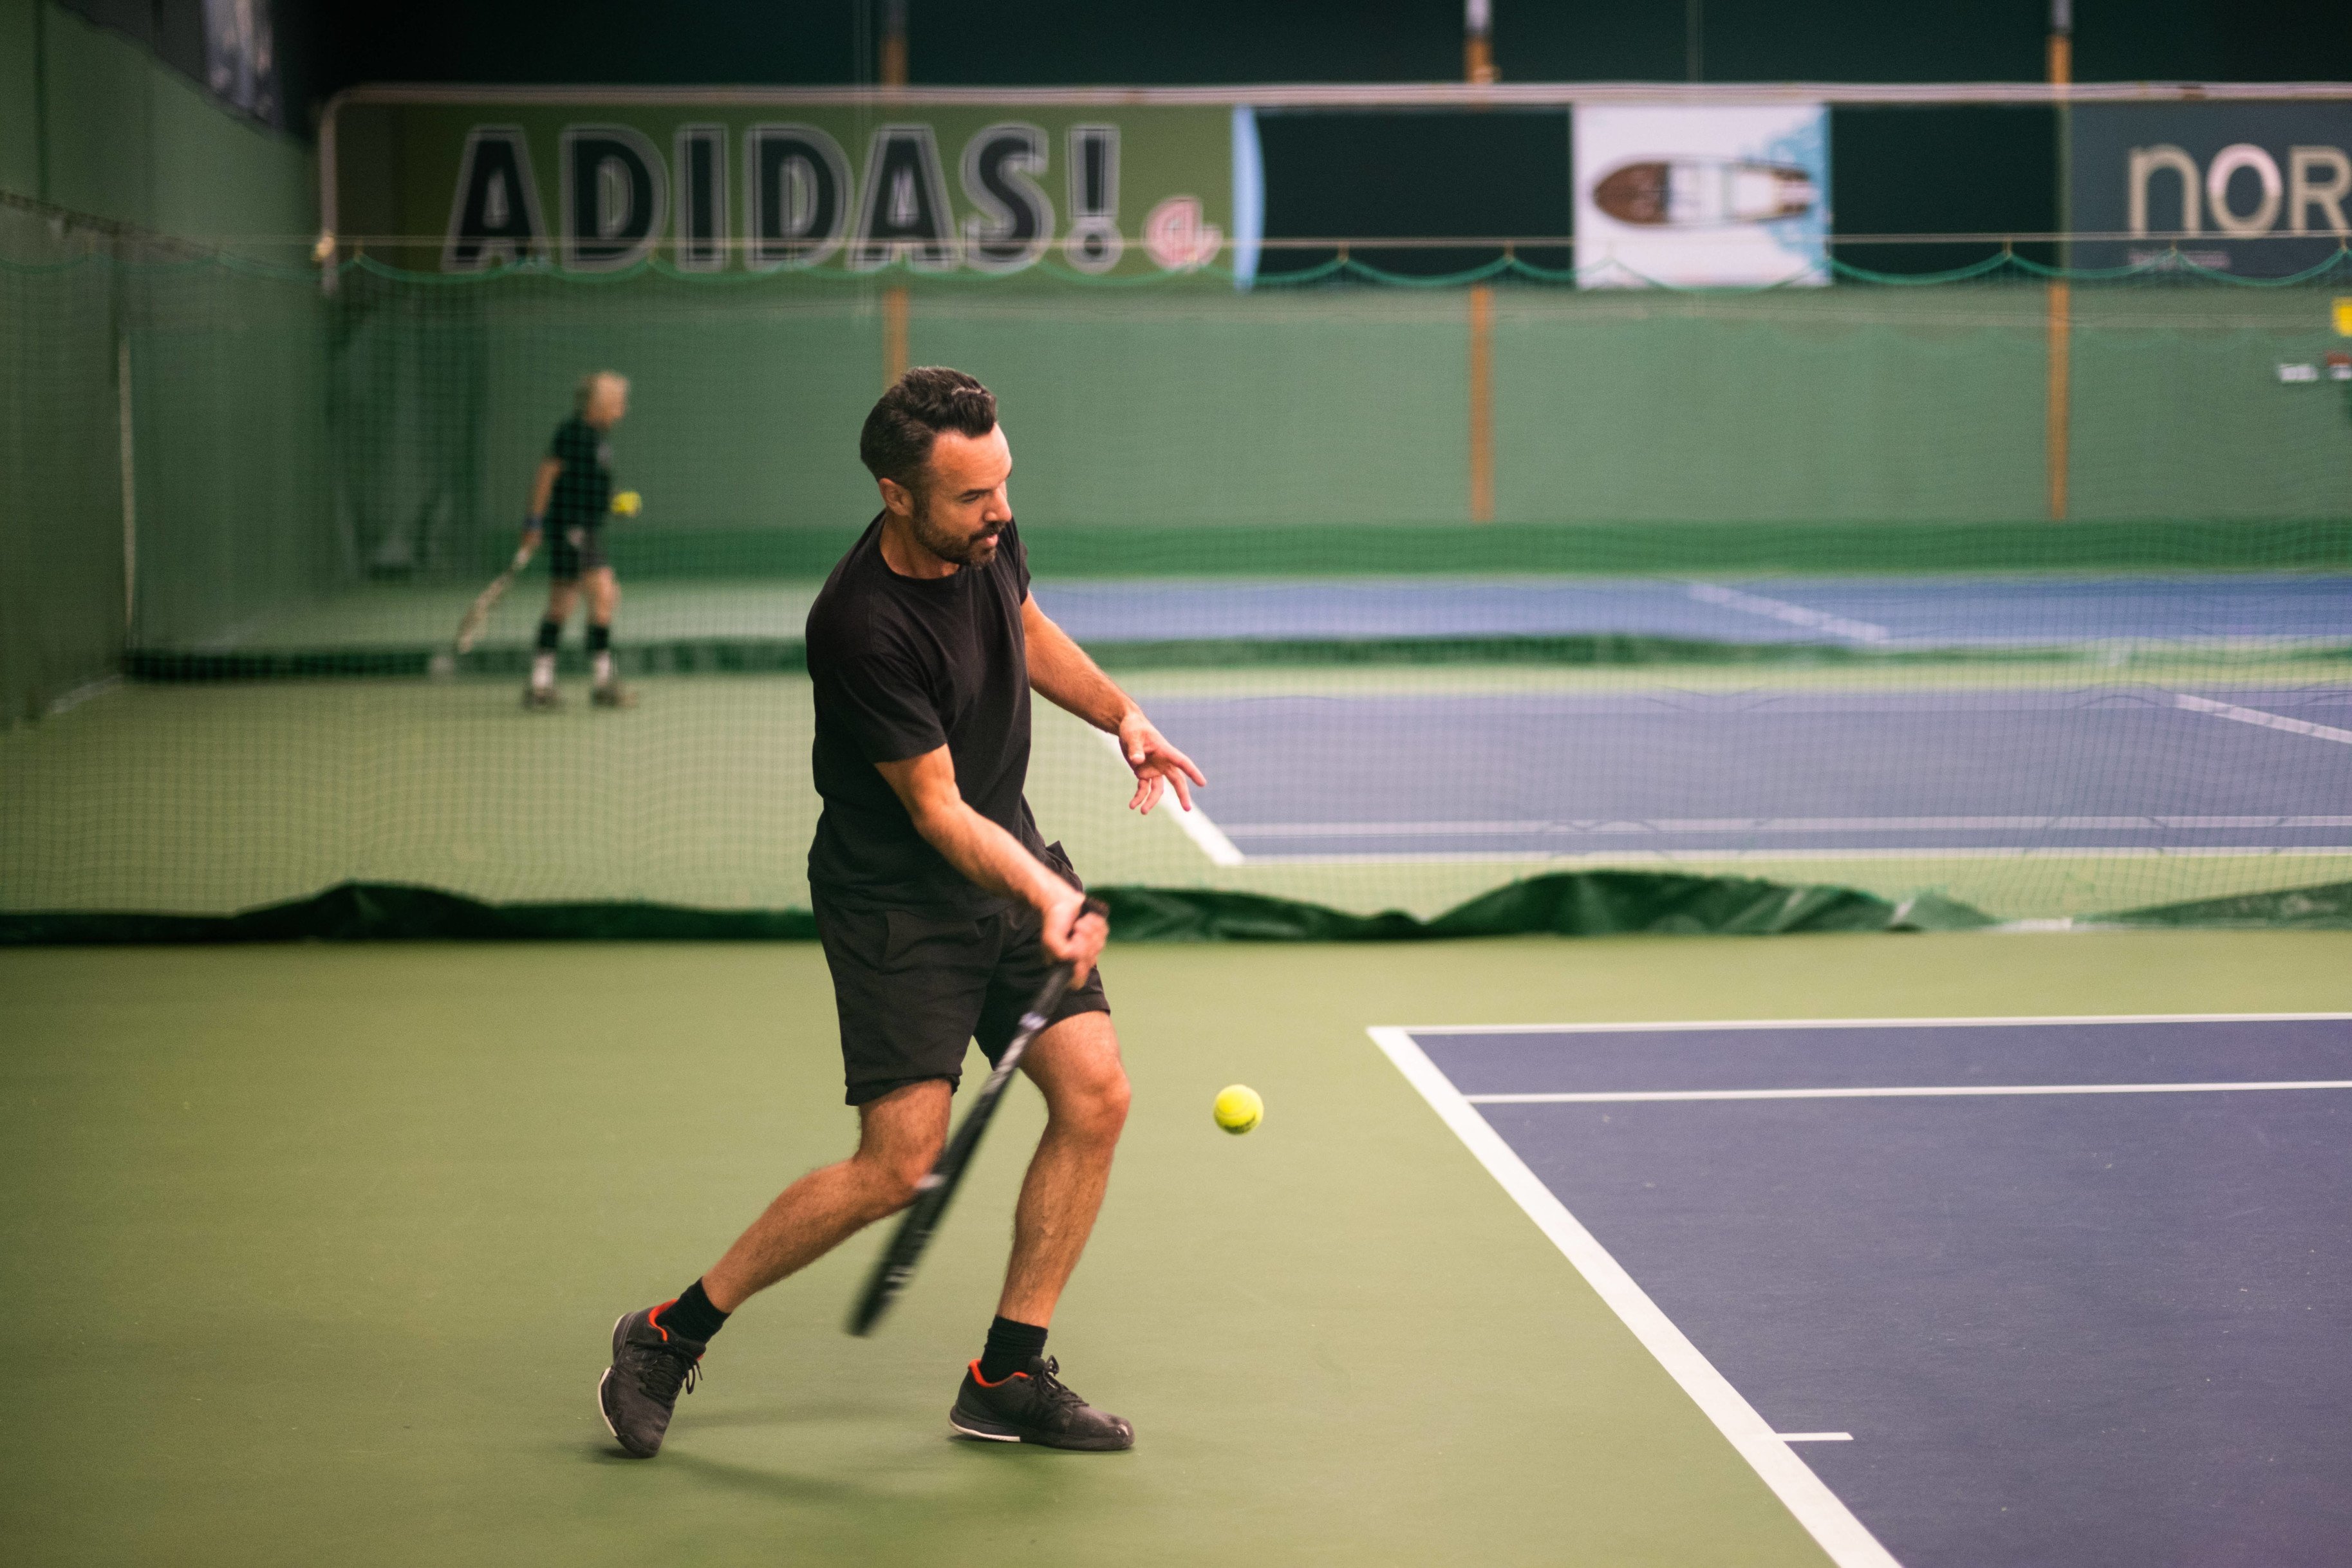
(2012, 594)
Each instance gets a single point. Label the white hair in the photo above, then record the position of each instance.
(585, 393)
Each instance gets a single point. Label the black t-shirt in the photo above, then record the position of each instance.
(583, 490)
(903, 666)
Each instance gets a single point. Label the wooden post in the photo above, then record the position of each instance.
(894, 298)
(129, 460)
(1482, 403)
(1478, 67)
(894, 43)
(2057, 435)
(1478, 42)
(894, 334)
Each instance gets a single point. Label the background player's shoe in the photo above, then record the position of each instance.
(541, 699)
(1035, 1406)
(612, 694)
(651, 1367)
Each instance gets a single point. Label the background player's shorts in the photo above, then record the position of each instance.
(914, 989)
(575, 550)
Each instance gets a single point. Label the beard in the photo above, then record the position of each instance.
(976, 549)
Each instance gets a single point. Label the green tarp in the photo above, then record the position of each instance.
(1574, 903)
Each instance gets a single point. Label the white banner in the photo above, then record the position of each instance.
(1701, 196)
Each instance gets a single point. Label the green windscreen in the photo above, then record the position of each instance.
(2011, 591)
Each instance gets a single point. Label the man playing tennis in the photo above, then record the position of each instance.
(942, 909)
(572, 490)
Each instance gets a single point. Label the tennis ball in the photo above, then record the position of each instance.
(1239, 1108)
(628, 503)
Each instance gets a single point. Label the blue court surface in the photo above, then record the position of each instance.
(1969, 1294)
(1888, 611)
(1778, 772)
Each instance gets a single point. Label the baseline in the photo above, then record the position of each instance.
(2257, 716)
(1687, 1024)
(1830, 1523)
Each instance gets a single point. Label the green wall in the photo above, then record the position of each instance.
(109, 156)
(92, 122)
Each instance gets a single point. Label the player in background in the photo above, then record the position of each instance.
(572, 491)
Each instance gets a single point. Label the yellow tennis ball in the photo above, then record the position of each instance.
(628, 503)
(1239, 1108)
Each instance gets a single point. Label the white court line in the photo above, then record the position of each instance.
(1697, 856)
(1830, 1522)
(1814, 1437)
(88, 691)
(1205, 835)
(1782, 610)
(1923, 1092)
(2027, 1021)
(1763, 825)
(2256, 716)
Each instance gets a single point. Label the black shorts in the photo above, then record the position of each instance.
(574, 551)
(915, 989)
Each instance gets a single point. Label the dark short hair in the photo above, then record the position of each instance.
(897, 441)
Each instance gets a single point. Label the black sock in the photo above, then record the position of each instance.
(551, 632)
(599, 638)
(1010, 1348)
(691, 1316)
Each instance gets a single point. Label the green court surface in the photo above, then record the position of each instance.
(313, 1252)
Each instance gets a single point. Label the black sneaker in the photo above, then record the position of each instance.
(540, 699)
(612, 694)
(651, 1367)
(1035, 1406)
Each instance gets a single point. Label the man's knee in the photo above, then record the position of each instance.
(896, 1175)
(900, 1140)
(1096, 1104)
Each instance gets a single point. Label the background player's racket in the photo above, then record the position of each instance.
(477, 613)
(897, 1265)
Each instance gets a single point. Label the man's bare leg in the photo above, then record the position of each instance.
(656, 1349)
(1011, 1393)
(603, 599)
(1076, 1064)
(561, 598)
(899, 1137)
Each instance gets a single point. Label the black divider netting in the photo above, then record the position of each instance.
(1808, 588)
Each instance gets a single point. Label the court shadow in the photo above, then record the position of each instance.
(792, 1414)
(771, 1486)
(1020, 1454)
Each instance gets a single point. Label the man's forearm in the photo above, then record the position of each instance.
(989, 856)
(542, 487)
(1061, 672)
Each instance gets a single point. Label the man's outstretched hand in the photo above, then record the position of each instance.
(1159, 766)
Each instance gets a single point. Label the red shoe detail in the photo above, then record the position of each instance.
(1000, 1383)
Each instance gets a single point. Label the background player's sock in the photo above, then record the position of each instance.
(692, 1316)
(600, 650)
(542, 664)
(1010, 1348)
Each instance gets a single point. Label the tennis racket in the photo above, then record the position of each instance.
(477, 613)
(897, 1265)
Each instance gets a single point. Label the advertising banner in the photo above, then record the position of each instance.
(2261, 190)
(771, 188)
(1694, 197)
